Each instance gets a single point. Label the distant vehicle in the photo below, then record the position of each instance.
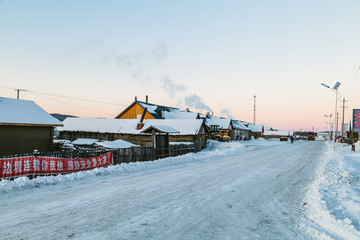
(311, 137)
(283, 139)
(218, 135)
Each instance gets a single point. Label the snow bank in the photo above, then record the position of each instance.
(214, 149)
(333, 200)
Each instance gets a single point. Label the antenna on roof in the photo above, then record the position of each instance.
(147, 98)
(18, 92)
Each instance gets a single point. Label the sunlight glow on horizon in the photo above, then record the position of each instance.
(180, 52)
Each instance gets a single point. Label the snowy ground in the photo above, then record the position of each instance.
(334, 212)
(239, 190)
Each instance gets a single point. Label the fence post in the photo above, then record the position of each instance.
(133, 158)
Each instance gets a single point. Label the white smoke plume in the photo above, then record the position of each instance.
(137, 64)
(226, 113)
(172, 88)
(196, 102)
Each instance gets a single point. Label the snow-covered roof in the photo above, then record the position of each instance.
(85, 141)
(24, 112)
(156, 110)
(117, 144)
(128, 126)
(239, 125)
(224, 123)
(255, 128)
(278, 133)
(161, 128)
(179, 114)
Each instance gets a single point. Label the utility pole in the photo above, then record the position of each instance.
(342, 124)
(337, 126)
(254, 108)
(18, 92)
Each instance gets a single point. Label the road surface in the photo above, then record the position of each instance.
(252, 194)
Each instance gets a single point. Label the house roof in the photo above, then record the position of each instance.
(128, 126)
(160, 128)
(180, 114)
(85, 141)
(255, 128)
(239, 125)
(24, 113)
(155, 110)
(224, 123)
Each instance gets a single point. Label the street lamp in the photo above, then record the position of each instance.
(335, 88)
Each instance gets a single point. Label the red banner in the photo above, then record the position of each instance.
(12, 167)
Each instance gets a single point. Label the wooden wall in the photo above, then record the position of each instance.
(16, 139)
(132, 113)
(144, 140)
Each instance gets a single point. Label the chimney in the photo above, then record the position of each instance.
(140, 125)
(135, 98)
(147, 98)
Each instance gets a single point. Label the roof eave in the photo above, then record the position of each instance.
(31, 125)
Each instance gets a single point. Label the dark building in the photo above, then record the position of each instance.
(24, 127)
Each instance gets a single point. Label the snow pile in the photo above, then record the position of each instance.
(85, 141)
(333, 200)
(214, 149)
(117, 144)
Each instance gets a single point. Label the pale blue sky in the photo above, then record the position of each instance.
(224, 52)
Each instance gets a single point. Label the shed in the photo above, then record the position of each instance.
(239, 131)
(257, 131)
(25, 126)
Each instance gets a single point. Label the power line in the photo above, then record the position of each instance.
(357, 83)
(74, 105)
(352, 76)
(62, 96)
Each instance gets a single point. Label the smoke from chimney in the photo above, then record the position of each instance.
(196, 102)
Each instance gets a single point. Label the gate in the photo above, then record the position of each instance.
(161, 145)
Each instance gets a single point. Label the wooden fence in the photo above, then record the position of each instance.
(181, 149)
(126, 155)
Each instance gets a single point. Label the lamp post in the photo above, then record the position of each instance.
(335, 88)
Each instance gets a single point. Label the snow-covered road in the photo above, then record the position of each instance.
(256, 193)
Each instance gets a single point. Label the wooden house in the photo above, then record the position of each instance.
(239, 130)
(236, 130)
(183, 130)
(154, 111)
(257, 131)
(24, 127)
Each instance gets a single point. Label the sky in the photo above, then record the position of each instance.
(91, 58)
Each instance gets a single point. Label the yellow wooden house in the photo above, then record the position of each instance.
(136, 109)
